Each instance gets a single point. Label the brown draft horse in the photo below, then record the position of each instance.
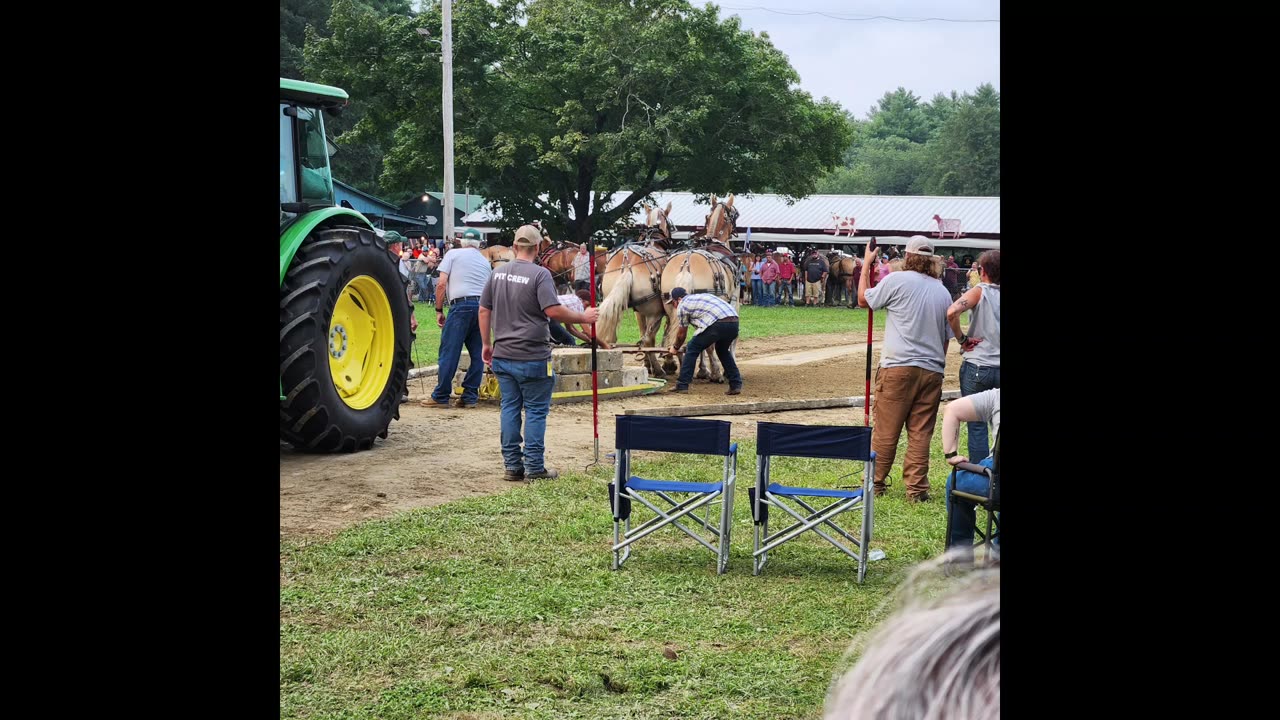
(659, 229)
(498, 255)
(844, 272)
(719, 226)
(558, 257)
(632, 278)
(701, 271)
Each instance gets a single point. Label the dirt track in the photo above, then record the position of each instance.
(432, 456)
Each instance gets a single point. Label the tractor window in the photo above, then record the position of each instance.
(316, 185)
(288, 175)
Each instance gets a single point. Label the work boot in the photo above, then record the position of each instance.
(546, 473)
(433, 403)
(734, 390)
(513, 475)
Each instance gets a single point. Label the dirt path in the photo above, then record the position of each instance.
(433, 456)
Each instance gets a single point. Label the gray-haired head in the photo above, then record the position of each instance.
(936, 658)
(470, 242)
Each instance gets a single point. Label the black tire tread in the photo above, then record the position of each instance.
(312, 416)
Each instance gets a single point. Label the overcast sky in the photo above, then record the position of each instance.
(856, 62)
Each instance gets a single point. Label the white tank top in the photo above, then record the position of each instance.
(986, 325)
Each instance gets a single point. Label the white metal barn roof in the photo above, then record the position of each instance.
(881, 213)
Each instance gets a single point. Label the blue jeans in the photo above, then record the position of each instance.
(722, 334)
(974, 379)
(964, 513)
(559, 334)
(461, 327)
(757, 291)
(525, 385)
(424, 283)
(785, 286)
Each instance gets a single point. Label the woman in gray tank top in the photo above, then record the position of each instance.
(981, 367)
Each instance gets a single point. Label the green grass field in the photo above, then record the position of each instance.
(756, 322)
(505, 606)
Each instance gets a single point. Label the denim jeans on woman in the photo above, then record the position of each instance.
(757, 291)
(974, 379)
(964, 514)
(526, 385)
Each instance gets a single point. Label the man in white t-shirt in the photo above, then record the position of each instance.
(463, 274)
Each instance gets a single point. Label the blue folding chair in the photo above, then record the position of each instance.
(678, 435)
(833, 442)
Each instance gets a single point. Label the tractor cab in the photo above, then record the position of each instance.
(305, 179)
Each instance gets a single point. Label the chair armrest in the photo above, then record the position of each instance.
(972, 467)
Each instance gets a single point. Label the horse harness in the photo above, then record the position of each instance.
(655, 272)
(552, 249)
(717, 278)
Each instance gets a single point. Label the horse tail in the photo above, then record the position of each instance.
(614, 305)
(684, 278)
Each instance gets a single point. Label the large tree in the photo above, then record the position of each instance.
(360, 161)
(576, 100)
(947, 146)
(965, 157)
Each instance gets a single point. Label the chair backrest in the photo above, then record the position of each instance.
(835, 442)
(671, 434)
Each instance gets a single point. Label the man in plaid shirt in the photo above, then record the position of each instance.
(717, 323)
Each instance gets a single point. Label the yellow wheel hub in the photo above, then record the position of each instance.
(361, 342)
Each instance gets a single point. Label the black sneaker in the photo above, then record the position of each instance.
(734, 391)
(678, 389)
(545, 473)
(516, 475)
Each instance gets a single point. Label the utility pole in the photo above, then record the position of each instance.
(447, 58)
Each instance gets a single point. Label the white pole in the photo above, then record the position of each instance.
(447, 58)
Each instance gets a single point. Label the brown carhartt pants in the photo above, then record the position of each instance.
(905, 395)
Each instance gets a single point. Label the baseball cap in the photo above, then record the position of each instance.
(391, 236)
(471, 234)
(528, 236)
(920, 245)
(678, 292)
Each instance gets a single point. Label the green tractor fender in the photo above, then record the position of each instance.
(293, 235)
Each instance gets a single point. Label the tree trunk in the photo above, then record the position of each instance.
(581, 231)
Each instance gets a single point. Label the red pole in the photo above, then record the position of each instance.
(595, 393)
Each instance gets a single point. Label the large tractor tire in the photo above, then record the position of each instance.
(344, 341)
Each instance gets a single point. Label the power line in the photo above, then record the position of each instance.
(861, 18)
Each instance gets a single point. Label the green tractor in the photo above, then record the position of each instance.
(344, 314)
